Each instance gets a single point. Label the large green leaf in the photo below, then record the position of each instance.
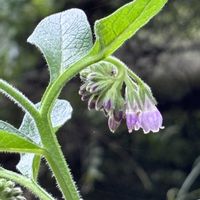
(26, 157)
(63, 38)
(29, 163)
(11, 142)
(112, 31)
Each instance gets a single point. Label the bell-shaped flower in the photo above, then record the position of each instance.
(150, 118)
(132, 110)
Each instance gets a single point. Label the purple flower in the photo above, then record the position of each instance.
(112, 123)
(132, 109)
(150, 118)
(108, 104)
(103, 87)
(132, 121)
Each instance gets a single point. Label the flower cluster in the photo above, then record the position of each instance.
(120, 97)
(9, 191)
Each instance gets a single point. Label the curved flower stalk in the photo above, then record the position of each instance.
(109, 87)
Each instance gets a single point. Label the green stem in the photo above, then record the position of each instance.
(53, 91)
(123, 67)
(56, 161)
(27, 183)
(55, 157)
(16, 96)
(189, 181)
(120, 66)
(119, 63)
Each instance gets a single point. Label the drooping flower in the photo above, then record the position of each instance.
(132, 109)
(150, 118)
(103, 88)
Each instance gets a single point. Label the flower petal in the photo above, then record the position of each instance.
(151, 120)
(132, 121)
(113, 124)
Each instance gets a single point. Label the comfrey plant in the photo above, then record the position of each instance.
(66, 41)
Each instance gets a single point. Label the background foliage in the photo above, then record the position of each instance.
(115, 166)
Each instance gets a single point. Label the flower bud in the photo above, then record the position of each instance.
(150, 118)
(8, 191)
(112, 123)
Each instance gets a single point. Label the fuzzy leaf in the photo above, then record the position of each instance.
(112, 31)
(61, 113)
(11, 142)
(63, 38)
(29, 164)
(8, 127)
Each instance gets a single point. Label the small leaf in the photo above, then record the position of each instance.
(29, 129)
(112, 31)
(29, 164)
(11, 142)
(63, 38)
(61, 113)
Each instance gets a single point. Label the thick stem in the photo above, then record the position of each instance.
(57, 163)
(27, 183)
(55, 156)
(16, 96)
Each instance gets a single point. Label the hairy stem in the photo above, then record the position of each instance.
(17, 97)
(27, 183)
(56, 161)
(53, 91)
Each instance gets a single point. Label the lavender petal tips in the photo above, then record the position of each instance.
(132, 121)
(151, 120)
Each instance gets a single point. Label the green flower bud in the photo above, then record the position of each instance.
(8, 191)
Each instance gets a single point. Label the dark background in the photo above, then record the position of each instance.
(120, 166)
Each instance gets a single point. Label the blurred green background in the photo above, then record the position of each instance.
(120, 166)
